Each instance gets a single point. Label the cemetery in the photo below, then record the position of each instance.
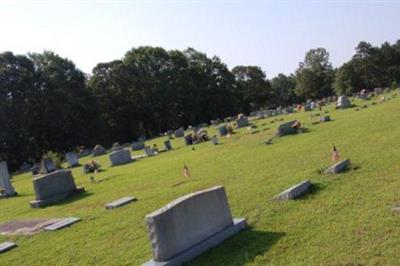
(149, 213)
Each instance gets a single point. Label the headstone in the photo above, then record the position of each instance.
(5, 182)
(46, 166)
(168, 145)
(179, 133)
(242, 122)
(338, 167)
(325, 118)
(120, 157)
(223, 130)
(6, 246)
(343, 102)
(137, 146)
(116, 147)
(190, 225)
(149, 151)
(35, 169)
(98, 150)
(287, 128)
(189, 140)
(54, 187)
(120, 202)
(62, 223)
(72, 159)
(295, 191)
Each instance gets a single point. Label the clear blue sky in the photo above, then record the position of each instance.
(271, 34)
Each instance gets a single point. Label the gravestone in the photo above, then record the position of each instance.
(116, 147)
(46, 166)
(6, 246)
(179, 133)
(120, 202)
(343, 102)
(223, 130)
(120, 157)
(72, 159)
(54, 187)
(149, 151)
(5, 182)
(338, 167)
(287, 128)
(62, 224)
(137, 145)
(188, 140)
(295, 191)
(325, 118)
(35, 169)
(190, 225)
(168, 145)
(242, 122)
(98, 150)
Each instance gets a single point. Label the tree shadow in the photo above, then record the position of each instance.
(314, 189)
(72, 199)
(240, 249)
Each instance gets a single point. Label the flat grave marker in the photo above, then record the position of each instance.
(120, 202)
(62, 223)
(6, 246)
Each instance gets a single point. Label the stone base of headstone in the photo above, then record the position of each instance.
(8, 195)
(338, 167)
(195, 251)
(295, 191)
(54, 199)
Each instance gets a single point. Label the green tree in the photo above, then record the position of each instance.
(283, 89)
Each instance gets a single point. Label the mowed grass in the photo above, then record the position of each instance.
(346, 220)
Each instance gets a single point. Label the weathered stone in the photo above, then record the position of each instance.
(116, 147)
(54, 187)
(167, 145)
(98, 150)
(5, 181)
(179, 133)
(343, 102)
(338, 167)
(295, 191)
(46, 166)
(325, 118)
(120, 157)
(223, 130)
(137, 146)
(149, 151)
(120, 202)
(72, 159)
(62, 223)
(242, 122)
(189, 139)
(183, 229)
(287, 128)
(6, 246)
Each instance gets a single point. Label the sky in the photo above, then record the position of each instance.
(274, 35)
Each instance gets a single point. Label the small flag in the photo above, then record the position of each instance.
(335, 154)
(186, 171)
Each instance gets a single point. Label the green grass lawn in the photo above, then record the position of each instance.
(346, 220)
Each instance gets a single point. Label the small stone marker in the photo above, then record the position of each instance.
(120, 202)
(61, 224)
(179, 133)
(190, 225)
(98, 150)
(72, 159)
(6, 246)
(149, 151)
(223, 130)
(295, 191)
(5, 182)
(325, 118)
(287, 128)
(242, 122)
(338, 167)
(168, 145)
(120, 157)
(343, 102)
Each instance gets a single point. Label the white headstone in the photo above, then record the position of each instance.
(5, 182)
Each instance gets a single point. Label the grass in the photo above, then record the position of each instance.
(346, 220)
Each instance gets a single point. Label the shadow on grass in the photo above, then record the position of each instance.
(240, 249)
(72, 199)
(314, 189)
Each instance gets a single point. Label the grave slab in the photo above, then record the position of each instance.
(120, 202)
(62, 223)
(295, 191)
(338, 167)
(6, 246)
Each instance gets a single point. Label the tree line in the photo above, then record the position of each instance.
(47, 103)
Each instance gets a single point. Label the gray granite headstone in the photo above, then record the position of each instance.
(5, 182)
(54, 187)
(242, 122)
(72, 159)
(287, 128)
(120, 202)
(295, 191)
(179, 133)
(62, 223)
(98, 150)
(167, 145)
(6, 246)
(338, 167)
(148, 151)
(120, 157)
(46, 166)
(343, 102)
(223, 130)
(325, 118)
(190, 225)
(137, 146)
